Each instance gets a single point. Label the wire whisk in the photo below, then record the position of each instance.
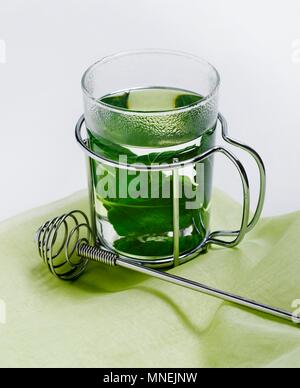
(66, 245)
(57, 242)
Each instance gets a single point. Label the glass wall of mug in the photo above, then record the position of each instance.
(151, 108)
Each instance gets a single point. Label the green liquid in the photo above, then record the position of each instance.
(142, 226)
(152, 99)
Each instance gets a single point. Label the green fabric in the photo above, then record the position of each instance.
(112, 317)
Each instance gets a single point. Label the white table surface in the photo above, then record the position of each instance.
(46, 45)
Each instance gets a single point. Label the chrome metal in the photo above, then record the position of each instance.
(214, 237)
(89, 170)
(246, 209)
(261, 168)
(70, 269)
(97, 254)
(56, 246)
(226, 296)
(141, 167)
(262, 191)
(176, 217)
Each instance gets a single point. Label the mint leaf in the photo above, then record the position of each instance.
(118, 100)
(186, 100)
(149, 246)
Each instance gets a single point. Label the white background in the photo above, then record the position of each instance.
(253, 43)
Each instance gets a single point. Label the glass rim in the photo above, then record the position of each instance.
(110, 58)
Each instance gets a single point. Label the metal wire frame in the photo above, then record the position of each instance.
(75, 248)
(214, 237)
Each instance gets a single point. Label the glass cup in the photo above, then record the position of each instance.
(151, 120)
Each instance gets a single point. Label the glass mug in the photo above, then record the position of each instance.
(151, 120)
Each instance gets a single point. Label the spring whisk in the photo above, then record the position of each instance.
(66, 246)
(57, 242)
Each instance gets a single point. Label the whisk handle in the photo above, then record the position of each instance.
(96, 254)
(102, 256)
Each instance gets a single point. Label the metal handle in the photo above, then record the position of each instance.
(239, 235)
(261, 169)
(246, 226)
(64, 245)
(111, 259)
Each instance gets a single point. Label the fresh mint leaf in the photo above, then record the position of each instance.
(119, 100)
(186, 100)
(160, 246)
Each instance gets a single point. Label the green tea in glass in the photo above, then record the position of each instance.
(146, 112)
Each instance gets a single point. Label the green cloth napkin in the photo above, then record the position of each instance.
(113, 317)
